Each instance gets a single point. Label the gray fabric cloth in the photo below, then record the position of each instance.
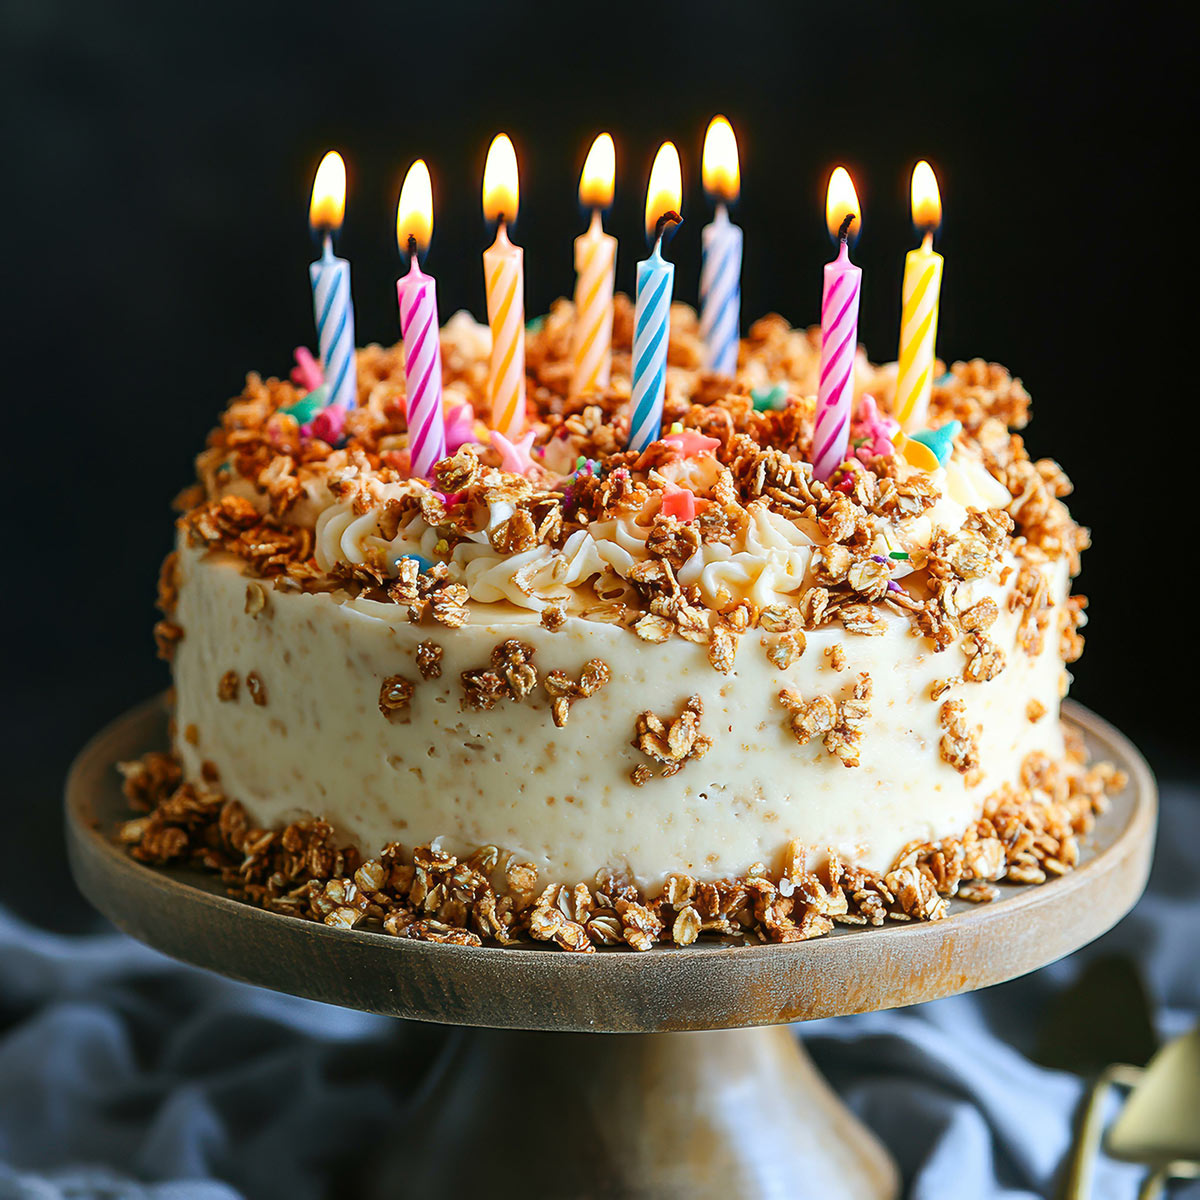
(127, 1076)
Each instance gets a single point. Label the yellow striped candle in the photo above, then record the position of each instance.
(504, 279)
(595, 264)
(919, 315)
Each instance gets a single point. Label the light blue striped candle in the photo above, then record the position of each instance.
(334, 314)
(721, 293)
(651, 333)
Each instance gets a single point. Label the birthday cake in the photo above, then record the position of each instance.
(605, 696)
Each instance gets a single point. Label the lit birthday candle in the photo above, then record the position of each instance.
(652, 312)
(330, 277)
(417, 297)
(595, 262)
(721, 272)
(919, 316)
(504, 278)
(839, 331)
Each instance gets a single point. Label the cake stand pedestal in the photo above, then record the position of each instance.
(665, 1107)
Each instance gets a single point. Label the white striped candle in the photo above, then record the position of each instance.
(334, 315)
(504, 281)
(721, 269)
(595, 264)
(333, 309)
(720, 293)
(416, 294)
(839, 334)
(652, 311)
(919, 314)
(651, 335)
(504, 278)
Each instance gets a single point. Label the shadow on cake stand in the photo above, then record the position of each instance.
(699, 1090)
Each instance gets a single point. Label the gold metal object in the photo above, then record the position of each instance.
(1158, 1125)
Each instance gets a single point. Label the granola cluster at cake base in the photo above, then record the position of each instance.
(677, 662)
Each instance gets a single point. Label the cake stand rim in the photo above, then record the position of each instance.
(111, 880)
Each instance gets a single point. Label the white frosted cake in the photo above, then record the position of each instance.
(601, 697)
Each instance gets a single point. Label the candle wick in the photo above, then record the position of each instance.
(927, 240)
(666, 221)
(844, 230)
(412, 246)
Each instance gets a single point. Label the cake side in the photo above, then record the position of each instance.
(314, 704)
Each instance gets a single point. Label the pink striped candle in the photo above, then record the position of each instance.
(416, 294)
(839, 334)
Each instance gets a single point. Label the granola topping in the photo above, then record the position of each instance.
(671, 743)
(586, 530)
(1027, 833)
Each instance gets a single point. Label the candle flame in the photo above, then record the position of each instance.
(841, 201)
(720, 162)
(328, 204)
(599, 174)
(665, 191)
(500, 190)
(414, 213)
(926, 199)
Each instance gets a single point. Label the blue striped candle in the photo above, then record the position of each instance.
(652, 312)
(334, 313)
(651, 333)
(720, 293)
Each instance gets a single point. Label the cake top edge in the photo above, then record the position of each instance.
(720, 515)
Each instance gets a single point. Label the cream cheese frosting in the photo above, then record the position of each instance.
(561, 798)
(768, 562)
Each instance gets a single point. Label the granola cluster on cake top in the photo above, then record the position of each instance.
(562, 657)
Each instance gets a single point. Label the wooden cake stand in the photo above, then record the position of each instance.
(667, 1107)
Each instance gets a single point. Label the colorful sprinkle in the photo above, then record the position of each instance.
(307, 407)
(689, 443)
(774, 397)
(514, 456)
(460, 426)
(679, 502)
(918, 454)
(940, 440)
(421, 562)
(874, 430)
(330, 424)
(307, 371)
(534, 324)
(901, 554)
(441, 546)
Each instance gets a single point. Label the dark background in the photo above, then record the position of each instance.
(157, 163)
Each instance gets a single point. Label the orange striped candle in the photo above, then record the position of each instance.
(595, 264)
(504, 279)
(919, 315)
